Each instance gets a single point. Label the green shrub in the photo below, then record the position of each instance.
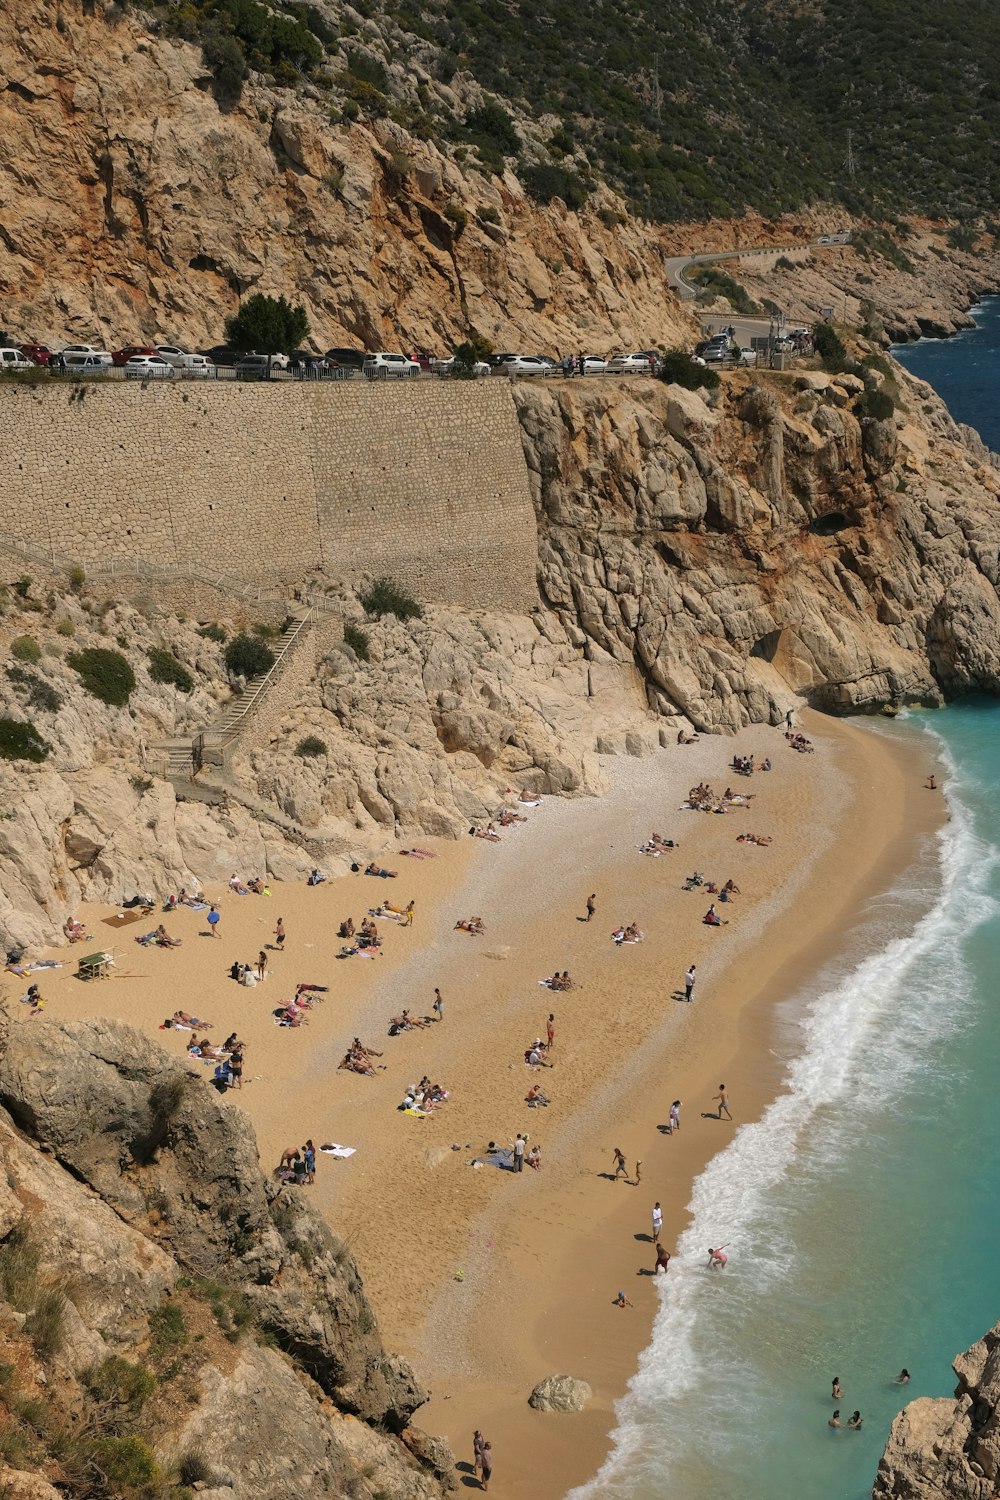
(77, 579)
(125, 1461)
(213, 633)
(19, 1270)
(457, 215)
(384, 598)
(163, 667)
(20, 740)
(167, 1327)
(25, 648)
(491, 130)
(311, 747)
(547, 181)
(192, 1468)
(357, 639)
(106, 674)
(45, 1324)
(41, 694)
(396, 172)
(115, 1380)
(829, 346)
(719, 283)
(66, 627)
(488, 214)
(678, 368)
(22, 586)
(784, 264)
(877, 404)
(248, 656)
(226, 61)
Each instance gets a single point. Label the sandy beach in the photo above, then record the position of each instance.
(486, 1279)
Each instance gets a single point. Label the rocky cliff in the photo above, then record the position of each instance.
(170, 1316)
(949, 1449)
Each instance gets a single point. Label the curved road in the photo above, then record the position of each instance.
(746, 328)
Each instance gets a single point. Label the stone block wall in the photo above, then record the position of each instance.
(425, 481)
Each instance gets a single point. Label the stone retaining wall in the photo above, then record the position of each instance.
(424, 481)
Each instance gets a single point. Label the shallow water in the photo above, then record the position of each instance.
(859, 1210)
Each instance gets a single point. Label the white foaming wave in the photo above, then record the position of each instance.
(864, 1034)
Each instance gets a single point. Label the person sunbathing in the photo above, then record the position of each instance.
(182, 1017)
(535, 1098)
(257, 886)
(315, 878)
(164, 939)
(535, 1055)
(374, 869)
(633, 933)
(236, 884)
(192, 898)
(405, 1022)
(289, 1015)
(475, 925)
(355, 1064)
(362, 1051)
(204, 1049)
(419, 853)
(534, 1157)
(712, 918)
(754, 838)
(731, 889)
(489, 832)
(346, 928)
(507, 817)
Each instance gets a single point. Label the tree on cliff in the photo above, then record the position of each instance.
(268, 325)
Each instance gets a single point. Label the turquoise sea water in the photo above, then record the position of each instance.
(862, 1212)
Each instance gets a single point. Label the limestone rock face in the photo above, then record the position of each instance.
(949, 1449)
(743, 549)
(130, 1180)
(560, 1393)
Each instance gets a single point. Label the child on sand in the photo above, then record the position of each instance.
(622, 1301)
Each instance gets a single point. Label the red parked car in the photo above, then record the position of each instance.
(122, 356)
(37, 352)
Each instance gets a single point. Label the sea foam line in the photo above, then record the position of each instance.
(865, 1032)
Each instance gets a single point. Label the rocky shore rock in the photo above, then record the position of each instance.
(132, 1200)
(949, 1449)
(560, 1393)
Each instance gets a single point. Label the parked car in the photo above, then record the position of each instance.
(383, 366)
(148, 367)
(172, 353)
(715, 354)
(630, 364)
(222, 354)
(354, 359)
(102, 356)
(13, 359)
(121, 357)
(522, 364)
(78, 363)
(195, 367)
(39, 354)
(447, 366)
(252, 367)
(593, 364)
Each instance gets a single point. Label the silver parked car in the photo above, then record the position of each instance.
(148, 367)
(523, 364)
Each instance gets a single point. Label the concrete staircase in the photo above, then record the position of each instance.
(179, 759)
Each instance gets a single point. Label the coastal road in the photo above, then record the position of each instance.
(676, 265)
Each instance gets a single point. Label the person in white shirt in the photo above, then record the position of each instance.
(657, 1221)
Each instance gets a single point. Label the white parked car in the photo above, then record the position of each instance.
(13, 359)
(593, 364)
(148, 367)
(102, 356)
(172, 353)
(522, 364)
(196, 367)
(383, 366)
(86, 364)
(447, 366)
(629, 364)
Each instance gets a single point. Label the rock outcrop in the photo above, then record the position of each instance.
(949, 1449)
(560, 1393)
(133, 1208)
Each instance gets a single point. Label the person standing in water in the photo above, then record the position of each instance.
(903, 1378)
(836, 1392)
(834, 1420)
(718, 1260)
(855, 1421)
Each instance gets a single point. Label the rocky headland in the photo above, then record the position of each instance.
(170, 1316)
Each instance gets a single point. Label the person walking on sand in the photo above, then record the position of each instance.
(279, 934)
(657, 1222)
(638, 1173)
(788, 719)
(550, 1030)
(486, 1463)
(519, 1146)
(591, 905)
(261, 963)
(620, 1166)
(214, 918)
(674, 1118)
(477, 1451)
(689, 982)
(408, 914)
(722, 1098)
(662, 1260)
(438, 1006)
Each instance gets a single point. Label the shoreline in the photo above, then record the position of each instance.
(485, 1280)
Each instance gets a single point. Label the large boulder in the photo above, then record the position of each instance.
(560, 1393)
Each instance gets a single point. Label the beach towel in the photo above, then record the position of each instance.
(122, 919)
(529, 804)
(421, 1114)
(503, 1158)
(335, 1150)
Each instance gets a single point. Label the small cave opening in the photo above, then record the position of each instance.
(765, 649)
(831, 523)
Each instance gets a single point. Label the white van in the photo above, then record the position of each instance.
(383, 366)
(13, 359)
